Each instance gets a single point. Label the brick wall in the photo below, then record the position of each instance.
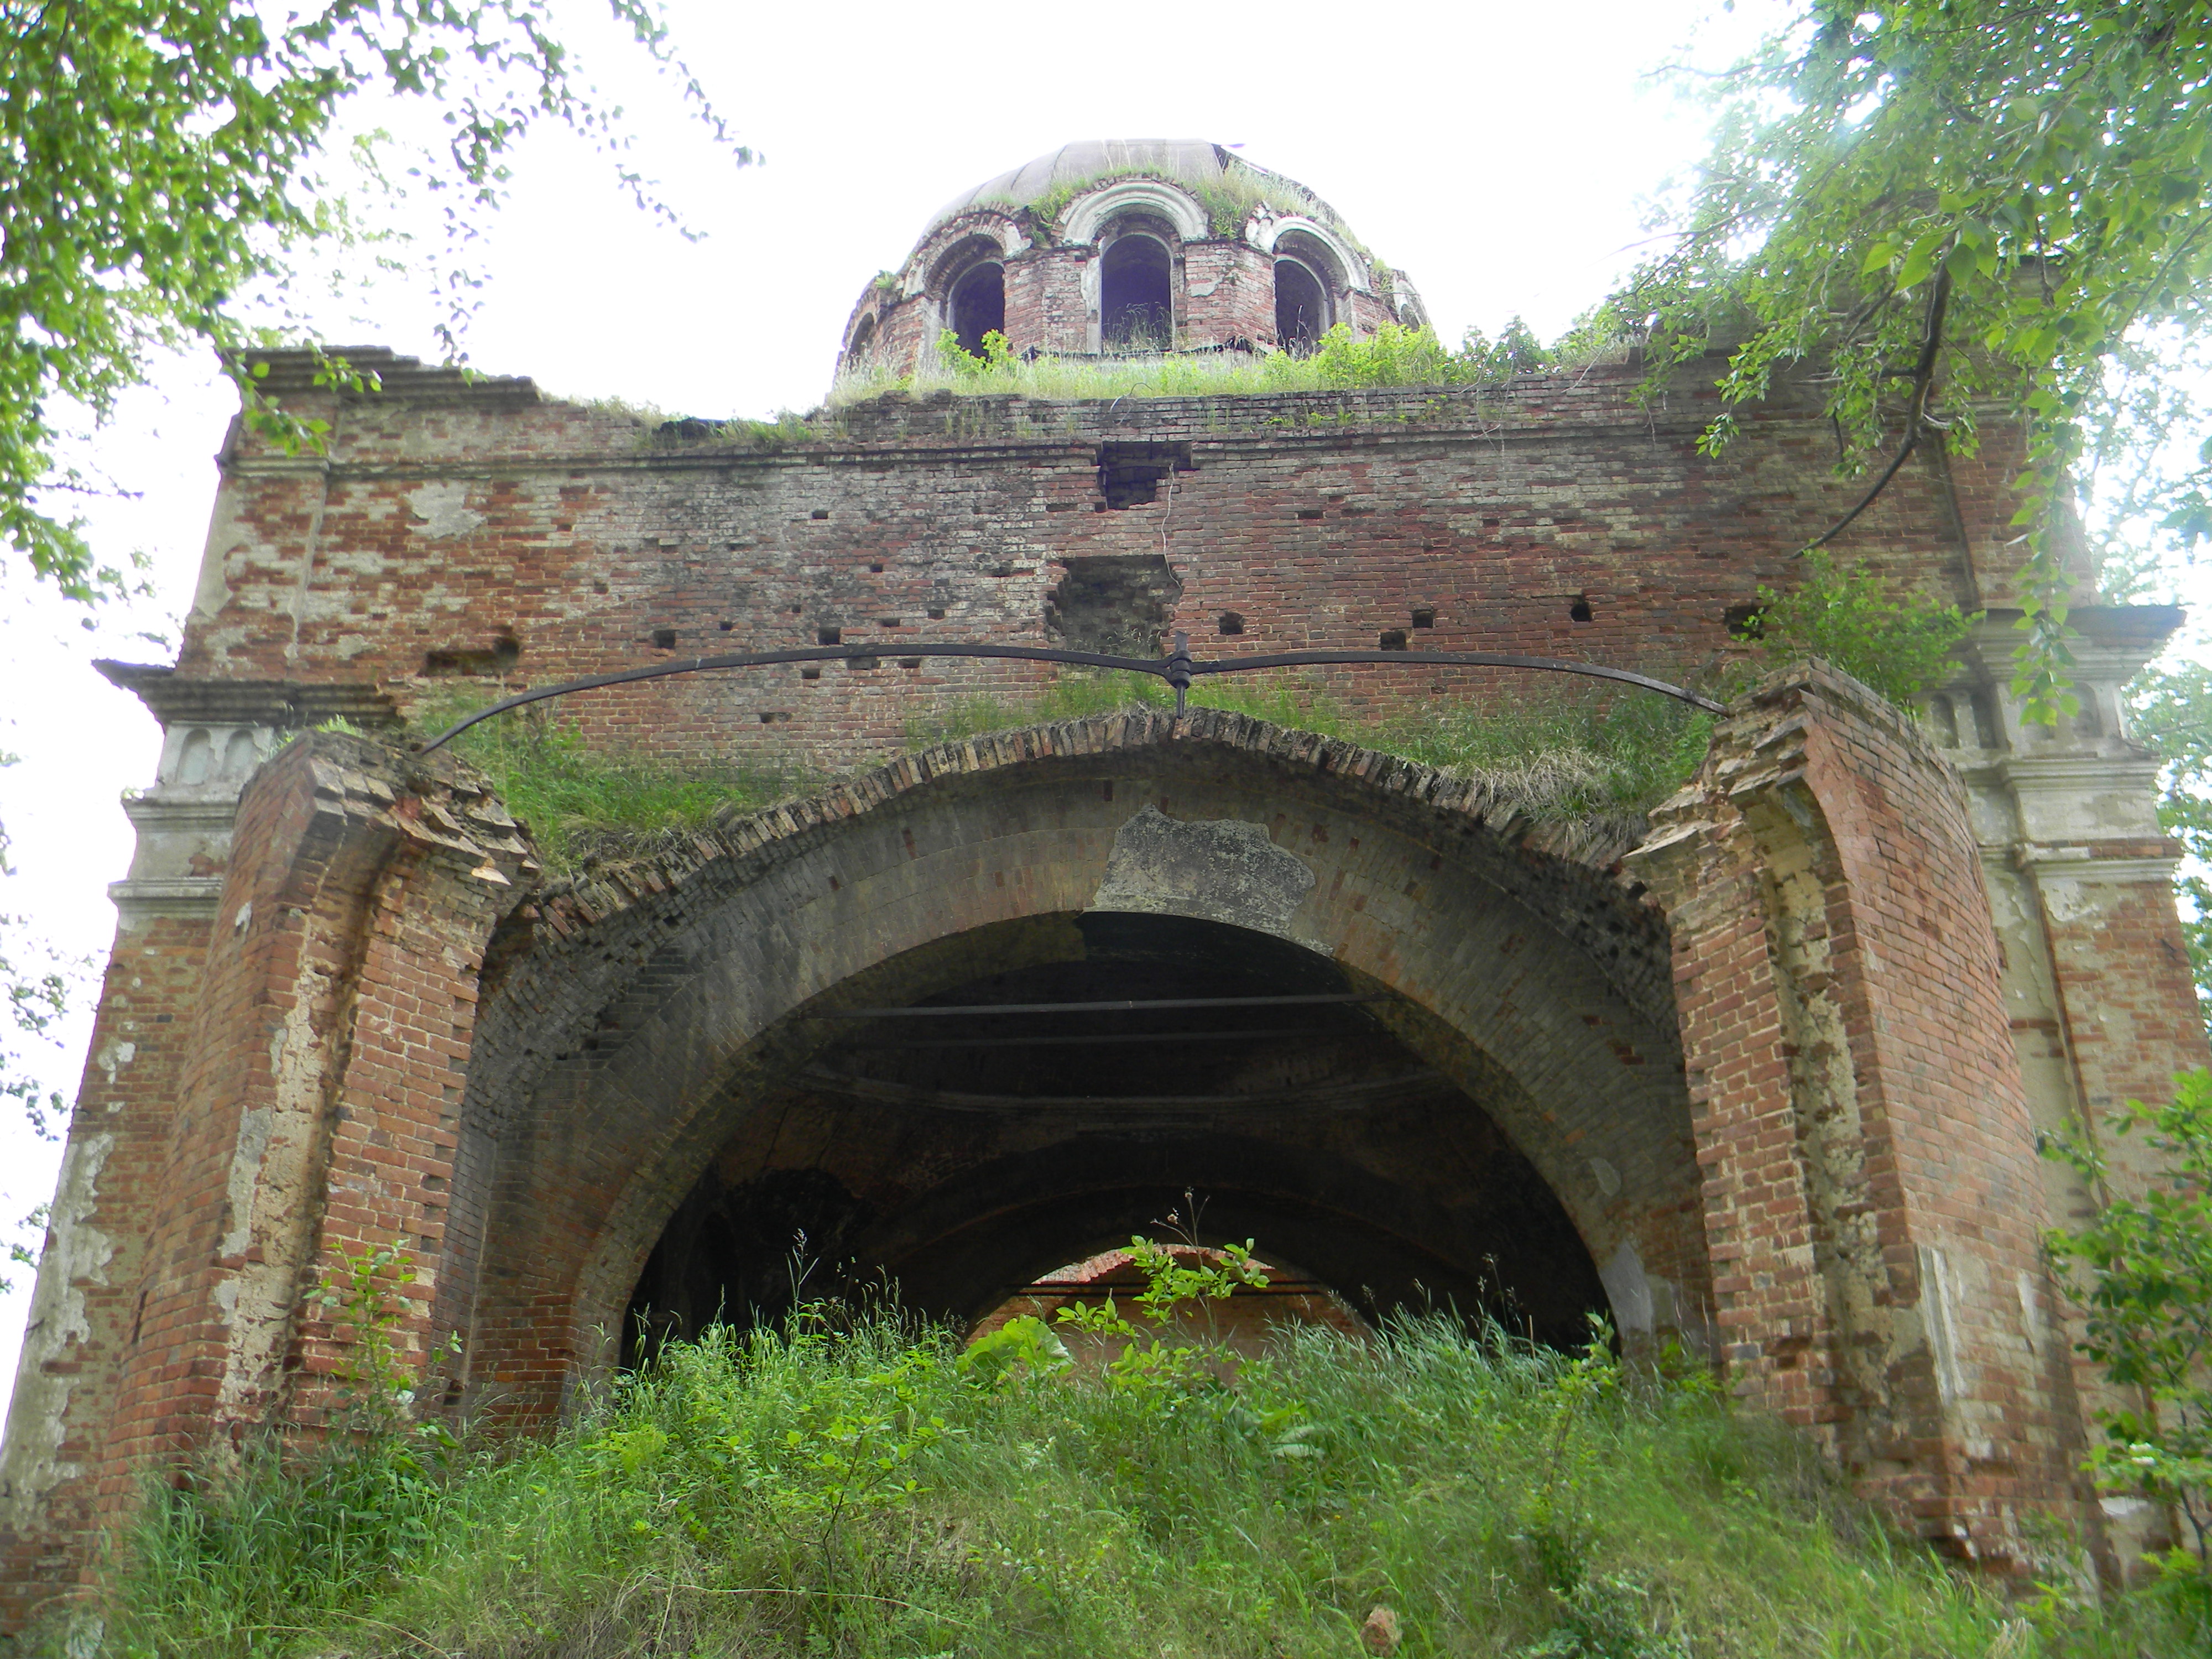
(460, 539)
(1873, 1199)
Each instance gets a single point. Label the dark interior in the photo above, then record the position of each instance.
(1301, 308)
(1136, 312)
(960, 1145)
(978, 306)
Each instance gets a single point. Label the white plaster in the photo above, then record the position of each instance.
(1201, 290)
(1627, 1289)
(77, 1255)
(1608, 1178)
(244, 919)
(2119, 1509)
(1938, 1320)
(244, 1173)
(444, 510)
(1218, 869)
(1088, 214)
(113, 1055)
(2030, 1310)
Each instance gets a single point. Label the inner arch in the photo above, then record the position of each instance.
(1010, 1121)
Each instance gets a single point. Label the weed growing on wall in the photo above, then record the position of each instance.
(1554, 754)
(1898, 645)
(581, 802)
(2143, 1270)
(1342, 360)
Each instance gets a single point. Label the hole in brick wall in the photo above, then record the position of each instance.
(865, 663)
(494, 659)
(1393, 639)
(1425, 616)
(664, 639)
(909, 662)
(795, 609)
(1742, 621)
(769, 717)
(599, 587)
(725, 626)
(1580, 611)
(1230, 623)
(937, 613)
(1114, 603)
(1309, 513)
(1301, 308)
(829, 636)
(875, 570)
(810, 673)
(1135, 310)
(1129, 474)
(978, 306)
(819, 513)
(887, 622)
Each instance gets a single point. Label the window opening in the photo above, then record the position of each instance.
(1301, 308)
(978, 306)
(1135, 310)
(863, 338)
(1129, 474)
(1580, 609)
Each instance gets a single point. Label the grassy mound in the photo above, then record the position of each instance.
(853, 1486)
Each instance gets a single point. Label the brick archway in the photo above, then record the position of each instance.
(632, 1030)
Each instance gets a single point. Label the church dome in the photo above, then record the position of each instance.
(1119, 248)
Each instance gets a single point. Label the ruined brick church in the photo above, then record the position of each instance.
(1761, 1074)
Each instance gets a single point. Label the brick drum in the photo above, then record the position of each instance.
(1760, 1075)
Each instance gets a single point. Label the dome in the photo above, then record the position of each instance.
(1212, 172)
(1119, 248)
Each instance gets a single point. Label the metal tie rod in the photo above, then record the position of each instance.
(1138, 1005)
(1178, 668)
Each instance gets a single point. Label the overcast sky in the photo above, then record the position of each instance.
(1500, 153)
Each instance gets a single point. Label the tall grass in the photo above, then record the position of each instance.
(583, 802)
(847, 1486)
(1556, 754)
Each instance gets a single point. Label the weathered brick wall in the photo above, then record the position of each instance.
(480, 529)
(1873, 1204)
(305, 1112)
(82, 1321)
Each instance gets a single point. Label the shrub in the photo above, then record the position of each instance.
(2143, 1271)
(1847, 614)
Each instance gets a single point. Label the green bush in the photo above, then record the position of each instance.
(1898, 645)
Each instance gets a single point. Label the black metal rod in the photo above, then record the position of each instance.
(1065, 1041)
(1119, 1007)
(1180, 665)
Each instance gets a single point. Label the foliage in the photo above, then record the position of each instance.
(2172, 714)
(1848, 614)
(1554, 753)
(581, 803)
(2143, 1269)
(851, 1484)
(1342, 360)
(1952, 204)
(162, 157)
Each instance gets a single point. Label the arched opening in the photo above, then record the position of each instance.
(1136, 308)
(1301, 308)
(1003, 1126)
(979, 305)
(863, 338)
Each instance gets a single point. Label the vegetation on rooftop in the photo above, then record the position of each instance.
(1342, 360)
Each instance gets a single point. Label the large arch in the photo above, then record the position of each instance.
(632, 1030)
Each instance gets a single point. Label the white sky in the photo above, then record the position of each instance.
(1498, 153)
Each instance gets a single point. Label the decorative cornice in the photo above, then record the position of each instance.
(178, 699)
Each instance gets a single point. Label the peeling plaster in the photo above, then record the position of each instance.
(113, 1055)
(77, 1254)
(1628, 1290)
(444, 509)
(1217, 869)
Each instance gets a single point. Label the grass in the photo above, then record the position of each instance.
(1593, 757)
(848, 1487)
(1563, 754)
(1392, 356)
(583, 804)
